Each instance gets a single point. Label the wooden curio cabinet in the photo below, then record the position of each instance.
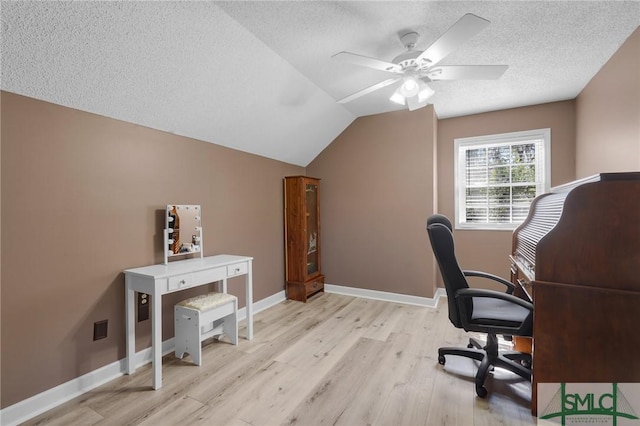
(302, 237)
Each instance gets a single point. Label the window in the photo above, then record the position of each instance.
(498, 176)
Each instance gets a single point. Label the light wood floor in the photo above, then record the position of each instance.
(334, 360)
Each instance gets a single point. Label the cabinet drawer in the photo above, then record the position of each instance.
(314, 286)
(179, 282)
(182, 281)
(237, 269)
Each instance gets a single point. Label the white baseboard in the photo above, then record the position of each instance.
(44, 401)
(387, 296)
(263, 304)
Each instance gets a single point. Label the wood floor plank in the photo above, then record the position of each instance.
(334, 360)
(175, 412)
(507, 403)
(232, 376)
(141, 401)
(289, 314)
(386, 322)
(80, 416)
(274, 391)
(333, 400)
(453, 385)
(408, 400)
(332, 339)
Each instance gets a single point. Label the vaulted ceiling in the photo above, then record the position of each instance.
(259, 77)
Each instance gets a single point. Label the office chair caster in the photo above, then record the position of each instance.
(481, 391)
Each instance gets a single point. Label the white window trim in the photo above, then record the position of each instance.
(459, 167)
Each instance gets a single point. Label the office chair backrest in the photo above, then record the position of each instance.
(441, 240)
(439, 218)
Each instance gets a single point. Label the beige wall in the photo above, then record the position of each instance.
(489, 250)
(608, 115)
(377, 191)
(83, 199)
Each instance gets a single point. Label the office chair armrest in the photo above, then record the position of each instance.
(508, 284)
(479, 292)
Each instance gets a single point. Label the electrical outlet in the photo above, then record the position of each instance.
(143, 307)
(100, 329)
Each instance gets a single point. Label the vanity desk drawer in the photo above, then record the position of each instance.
(237, 269)
(179, 282)
(182, 281)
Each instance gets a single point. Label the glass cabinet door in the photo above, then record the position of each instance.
(303, 257)
(311, 194)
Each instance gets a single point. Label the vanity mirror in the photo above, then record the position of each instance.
(182, 231)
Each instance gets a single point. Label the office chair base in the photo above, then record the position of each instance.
(473, 343)
(477, 354)
(489, 356)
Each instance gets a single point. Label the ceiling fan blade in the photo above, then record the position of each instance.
(466, 27)
(413, 103)
(365, 61)
(368, 90)
(466, 72)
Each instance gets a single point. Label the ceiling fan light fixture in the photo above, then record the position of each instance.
(425, 91)
(410, 87)
(416, 97)
(410, 84)
(397, 97)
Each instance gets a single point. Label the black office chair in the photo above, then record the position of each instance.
(479, 310)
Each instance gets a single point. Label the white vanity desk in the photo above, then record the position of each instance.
(157, 280)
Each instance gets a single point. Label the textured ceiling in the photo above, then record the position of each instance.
(258, 76)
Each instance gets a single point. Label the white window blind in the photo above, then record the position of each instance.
(498, 176)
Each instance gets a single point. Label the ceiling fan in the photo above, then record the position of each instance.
(416, 68)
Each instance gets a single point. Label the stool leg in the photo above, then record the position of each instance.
(230, 326)
(194, 346)
(179, 332)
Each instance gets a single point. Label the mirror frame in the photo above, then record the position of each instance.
(172, 245)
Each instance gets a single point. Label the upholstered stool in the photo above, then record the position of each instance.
(202, 317)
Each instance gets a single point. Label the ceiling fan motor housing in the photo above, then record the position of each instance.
(407, 59)
(409, 40)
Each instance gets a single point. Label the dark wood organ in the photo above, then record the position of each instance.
(577, 255)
